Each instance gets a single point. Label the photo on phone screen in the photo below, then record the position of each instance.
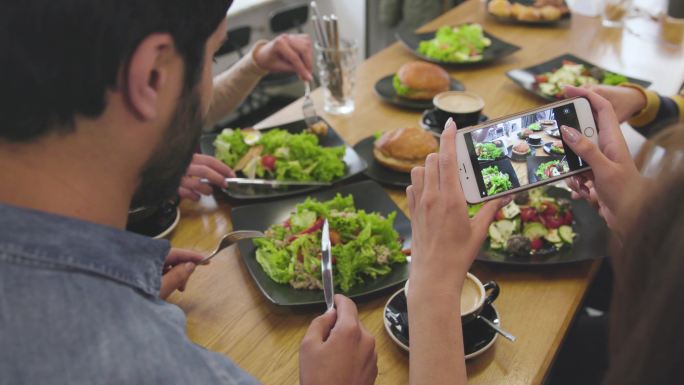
(523, 150)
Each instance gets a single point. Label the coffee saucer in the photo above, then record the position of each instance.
(429, 122)
(477, 336)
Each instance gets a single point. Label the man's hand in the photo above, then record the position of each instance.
(613, 176)
(178, 267)
(287, 53)
(337, 349)
(203, 166)
(626, 101)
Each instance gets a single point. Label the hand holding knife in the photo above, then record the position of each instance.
(326, 267)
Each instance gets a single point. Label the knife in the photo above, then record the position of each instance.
(268, 182)
(326, 267)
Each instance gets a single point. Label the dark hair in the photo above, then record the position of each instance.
(58, 57)
(646, 336)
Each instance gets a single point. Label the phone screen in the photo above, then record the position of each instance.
(523, 150)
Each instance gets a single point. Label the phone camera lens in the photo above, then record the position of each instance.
(566, 111)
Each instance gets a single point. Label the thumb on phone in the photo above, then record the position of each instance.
(584, 148)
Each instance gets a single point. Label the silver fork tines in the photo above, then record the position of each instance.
(308, 109)
(230, 239)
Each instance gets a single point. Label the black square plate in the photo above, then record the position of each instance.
(590, 241)
(384, 88)
(355, 165)
(505, 166)
(497, 50)
(368, 196)
(509, 20)
(525, 77)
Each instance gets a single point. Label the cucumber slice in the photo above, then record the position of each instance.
(553, 237)
(500, 231)
(566, 234)
(534, 230)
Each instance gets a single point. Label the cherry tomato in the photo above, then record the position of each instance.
(541, 78)
(537, 244)
(528, 214)
(269, 162)
(549, 208)
(552, 221)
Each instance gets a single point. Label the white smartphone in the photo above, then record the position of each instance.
(522, 151)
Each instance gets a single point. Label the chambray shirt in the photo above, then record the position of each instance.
(79, 304)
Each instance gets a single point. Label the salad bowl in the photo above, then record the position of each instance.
(354, 164)
(497, 50)
(526, 78)
(368, 196)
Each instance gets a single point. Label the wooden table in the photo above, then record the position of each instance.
(227, 313)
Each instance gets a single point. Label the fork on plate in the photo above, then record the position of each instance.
(308, 109)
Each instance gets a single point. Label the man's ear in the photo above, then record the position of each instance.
(148, 74)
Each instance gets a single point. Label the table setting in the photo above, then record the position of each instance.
(318, 204)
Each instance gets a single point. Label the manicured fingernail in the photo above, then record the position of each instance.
(190, 267)
(506, 200)
(450, 123)
(570, 134)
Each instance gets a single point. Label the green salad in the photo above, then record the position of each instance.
(551, 169)
(495, 180)
(364, 245)
(278, 154)
(461, 44)
(488, 151)
(574, 74)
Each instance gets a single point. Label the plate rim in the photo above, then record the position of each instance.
(171, 227)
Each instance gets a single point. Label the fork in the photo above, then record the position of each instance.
(230, 239)
(308, 109)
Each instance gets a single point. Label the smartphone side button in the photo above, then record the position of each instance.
(589, 132)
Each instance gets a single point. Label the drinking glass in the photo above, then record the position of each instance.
(614, 12)
(336, 68)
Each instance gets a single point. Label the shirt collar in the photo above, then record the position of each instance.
(70, 243)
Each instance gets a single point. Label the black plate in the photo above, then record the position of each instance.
(542, 23)
(497, 50)
(378, 172)
(504, 153)
(477, 336)
(534, 161)
(368, 196)
(385, 90)
(428, 121)
(590, 241)
(505, 166)
(554, 133)
(518, 158)
(355, 165)
(525, 77)
(547, 149)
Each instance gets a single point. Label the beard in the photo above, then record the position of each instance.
(161, 175)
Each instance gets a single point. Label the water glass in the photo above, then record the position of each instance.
(614, 12)
(336, 68)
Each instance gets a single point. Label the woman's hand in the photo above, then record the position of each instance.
(287, 53)
(613, 177)
(626, 101)
(444, 240)
(203, 167)
(178, 267)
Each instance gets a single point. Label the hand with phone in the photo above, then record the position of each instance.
(444, 244)
(613, 174)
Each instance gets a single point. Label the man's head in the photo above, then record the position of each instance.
(132, 73)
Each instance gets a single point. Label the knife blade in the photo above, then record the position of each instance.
(326, 267)
(269, 182)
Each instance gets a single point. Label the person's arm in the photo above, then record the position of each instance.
(658, 111)
(444, 244)
(232, 86)
(285, 53)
